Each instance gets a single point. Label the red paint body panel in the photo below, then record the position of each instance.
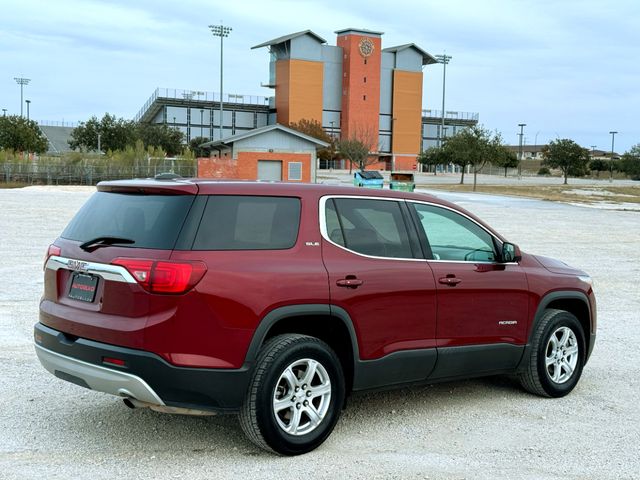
(400, 305)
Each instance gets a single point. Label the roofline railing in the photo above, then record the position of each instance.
(197, 96)
(451, 115)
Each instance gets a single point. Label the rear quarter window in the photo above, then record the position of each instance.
(239, 222)
(151, 221)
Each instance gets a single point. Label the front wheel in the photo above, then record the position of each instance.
(557, 355)
(295, 395)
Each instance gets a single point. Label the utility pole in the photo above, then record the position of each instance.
(613, 139)
(22, 82)
(521, 134)
(220, 31)
(444, 60)
(28, 102)
(99, 135)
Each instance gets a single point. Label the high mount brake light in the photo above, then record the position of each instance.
(162, 276)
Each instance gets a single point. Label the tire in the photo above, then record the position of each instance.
(277, 417)
(557, 355)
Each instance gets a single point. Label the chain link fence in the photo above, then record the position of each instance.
(88, 171)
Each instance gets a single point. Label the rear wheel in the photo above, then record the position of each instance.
(295, 395)
(557, 355)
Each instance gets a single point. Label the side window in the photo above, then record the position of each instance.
(452, 236)
(370, 227)
(235, 222)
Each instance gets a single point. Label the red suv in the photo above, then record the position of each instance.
(275, 301)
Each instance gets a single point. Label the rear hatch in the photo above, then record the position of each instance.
(94, 285)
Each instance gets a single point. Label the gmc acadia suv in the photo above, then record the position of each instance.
(275, 301)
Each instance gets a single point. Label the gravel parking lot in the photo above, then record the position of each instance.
(486, 428)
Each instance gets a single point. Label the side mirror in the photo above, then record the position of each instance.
(510, 253)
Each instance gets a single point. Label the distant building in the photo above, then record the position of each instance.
(534, 152)
(353, 87)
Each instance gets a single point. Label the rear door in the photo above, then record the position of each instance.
(377, 275)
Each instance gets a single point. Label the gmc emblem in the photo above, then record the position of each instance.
(78, 265)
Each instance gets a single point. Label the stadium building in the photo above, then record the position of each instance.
(355, 89)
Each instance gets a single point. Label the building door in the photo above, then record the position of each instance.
(270, 170)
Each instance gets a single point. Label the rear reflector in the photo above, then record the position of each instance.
(52, 250)
(114, 361)
(162, 276)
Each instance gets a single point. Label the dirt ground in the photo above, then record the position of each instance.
(487, 428)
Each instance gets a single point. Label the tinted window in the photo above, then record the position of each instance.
(233, 222)
(452, 236)
(371, 227)
(151, 221)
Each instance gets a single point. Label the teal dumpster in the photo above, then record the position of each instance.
(402, 181)
(368, 179)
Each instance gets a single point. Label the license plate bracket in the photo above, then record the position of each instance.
(83, 287)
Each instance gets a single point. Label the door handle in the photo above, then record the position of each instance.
(449, 280)
(349, 282)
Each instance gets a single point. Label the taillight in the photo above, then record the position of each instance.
(52, 250)
(162, 276)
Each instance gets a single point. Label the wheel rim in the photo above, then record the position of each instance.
(561, 355)
(301, 397)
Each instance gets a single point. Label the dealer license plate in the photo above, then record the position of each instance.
(83, 287)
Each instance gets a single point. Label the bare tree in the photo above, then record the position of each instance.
(358, 146)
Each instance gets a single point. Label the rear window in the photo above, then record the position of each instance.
(238, 222)
(151, 221)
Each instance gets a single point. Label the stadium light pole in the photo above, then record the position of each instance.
(22, 82)
(28, 102)
(613, 139)
(521, 134)
(220, 31)
(444, 60)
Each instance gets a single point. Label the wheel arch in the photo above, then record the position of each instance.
(328, 323)
(574, 302)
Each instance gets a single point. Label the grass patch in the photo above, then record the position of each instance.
(557, 193)
(13, 185)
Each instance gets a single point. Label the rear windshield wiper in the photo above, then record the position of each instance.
(104, 242)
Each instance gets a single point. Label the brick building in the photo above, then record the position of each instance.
(273, 152)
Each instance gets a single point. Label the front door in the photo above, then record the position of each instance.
(482, 303)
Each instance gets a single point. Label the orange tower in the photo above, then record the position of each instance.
(362, 51)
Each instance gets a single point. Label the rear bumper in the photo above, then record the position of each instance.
(145, 376)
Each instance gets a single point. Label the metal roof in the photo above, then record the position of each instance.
(258, 131)
(291, 36)
(427, 58)
(358, 30)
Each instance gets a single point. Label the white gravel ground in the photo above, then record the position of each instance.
(487, 428)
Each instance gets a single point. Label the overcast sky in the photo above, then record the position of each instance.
(568, 69)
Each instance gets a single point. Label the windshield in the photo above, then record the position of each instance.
(150, 221)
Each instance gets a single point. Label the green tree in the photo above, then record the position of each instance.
(433, 156)
(161, 135)
(598, 165)
(504, 158)
(566, 155)
(630, 162)
(21, 135)
(115, 134)
(194, 146)
(473, 146)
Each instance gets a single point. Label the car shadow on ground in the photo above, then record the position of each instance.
(115, 426)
